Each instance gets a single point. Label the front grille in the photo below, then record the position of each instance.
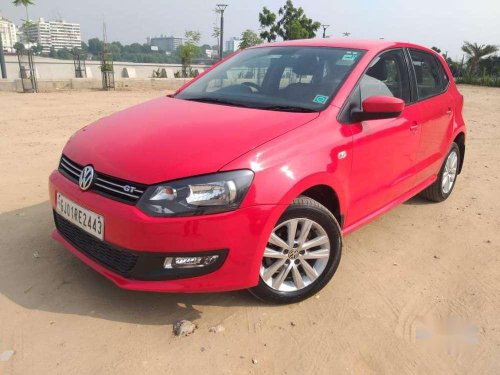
(111, 187)
(119, 261)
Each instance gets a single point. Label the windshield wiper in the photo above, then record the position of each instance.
(205, 99)
(288, 108)
(284, 108)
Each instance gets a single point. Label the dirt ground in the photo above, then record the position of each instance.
(420, 265)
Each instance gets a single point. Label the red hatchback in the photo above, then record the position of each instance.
(249, 175)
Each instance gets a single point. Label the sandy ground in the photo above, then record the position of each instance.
(419, 265)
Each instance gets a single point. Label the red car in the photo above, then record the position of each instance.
(250, 174)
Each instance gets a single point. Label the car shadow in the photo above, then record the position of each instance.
(417, 200)
(37, 273)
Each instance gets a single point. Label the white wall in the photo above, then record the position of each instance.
(47, 68)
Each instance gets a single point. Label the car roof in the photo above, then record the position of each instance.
(364, 44)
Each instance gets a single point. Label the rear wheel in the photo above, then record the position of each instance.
(441, 189)
(302, 253)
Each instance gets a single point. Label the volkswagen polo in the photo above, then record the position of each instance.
(249, 175)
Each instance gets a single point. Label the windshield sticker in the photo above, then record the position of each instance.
(321, 99)
(350, 56)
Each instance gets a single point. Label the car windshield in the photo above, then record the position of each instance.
(295, 79)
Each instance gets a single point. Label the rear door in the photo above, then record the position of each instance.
(384, 151)
(436, 110)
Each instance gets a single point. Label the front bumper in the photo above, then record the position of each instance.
(241, 235)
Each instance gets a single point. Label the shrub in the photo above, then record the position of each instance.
(483, 80)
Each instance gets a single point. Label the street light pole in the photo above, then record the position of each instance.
(2, 59)
(324, 29)
(221, 8)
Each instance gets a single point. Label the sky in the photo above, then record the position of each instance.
(442, 23)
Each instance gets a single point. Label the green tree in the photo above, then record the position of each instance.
(292, 24)
(115, 48)
(64, 54)
(249, 38)
(95, 46)
(188, 50)
(19, 47)
(38, 49)
(436, 49)
(134, 48)
(84, 47)
(476, 53)
(25, 4)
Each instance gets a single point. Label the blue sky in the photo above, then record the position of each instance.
(443, 23)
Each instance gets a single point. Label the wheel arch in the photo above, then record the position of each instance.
(322, 190)
(460, 141)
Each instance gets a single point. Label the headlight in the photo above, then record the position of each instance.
(198, 195)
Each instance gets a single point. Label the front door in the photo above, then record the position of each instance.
(384, 151)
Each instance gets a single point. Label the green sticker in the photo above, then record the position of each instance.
(350, 56)
(321, 99)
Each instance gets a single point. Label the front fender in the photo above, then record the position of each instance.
(318, 153)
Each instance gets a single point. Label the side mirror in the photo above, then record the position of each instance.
(379, 107)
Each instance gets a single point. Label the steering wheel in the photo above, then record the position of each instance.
(252, 85)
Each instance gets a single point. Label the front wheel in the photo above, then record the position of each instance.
(441, 189)
(301, 255)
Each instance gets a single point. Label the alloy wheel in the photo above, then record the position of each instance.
(296, 254)
(449, 172)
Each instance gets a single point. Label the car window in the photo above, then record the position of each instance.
(427, 73)
(250, 72)
(444, 77)
(289, 77)
(388, 76)
(279, 78)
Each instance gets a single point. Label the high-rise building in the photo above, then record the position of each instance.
(8, 33)
(53, 34)
(166, 43)
(232, 45)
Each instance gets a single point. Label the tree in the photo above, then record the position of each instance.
(188, 51)
(293, 24)
(24, 3)
(64, 54)
(249, 38)
(19, 47)
(84, 47)
(453, 65)
(37, 49)
(476, 53)
(95, 46)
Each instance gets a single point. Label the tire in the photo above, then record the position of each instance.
(291, 281)
(439, 190)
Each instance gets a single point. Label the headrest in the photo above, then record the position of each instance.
(378, 71)
(306, 65)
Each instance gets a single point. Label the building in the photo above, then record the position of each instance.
(8, 33)
(166, 43)
(212, 53)
(232, 45)
(53, 34)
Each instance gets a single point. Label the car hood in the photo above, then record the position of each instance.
(167, 138)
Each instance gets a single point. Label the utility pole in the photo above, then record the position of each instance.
(220, 9)
(2, 58)
(324, 29)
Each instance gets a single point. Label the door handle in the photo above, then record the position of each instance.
(449, 111)
(414, 127)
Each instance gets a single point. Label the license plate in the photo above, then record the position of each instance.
(85, 219)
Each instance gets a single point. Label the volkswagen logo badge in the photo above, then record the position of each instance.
(86, 178)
